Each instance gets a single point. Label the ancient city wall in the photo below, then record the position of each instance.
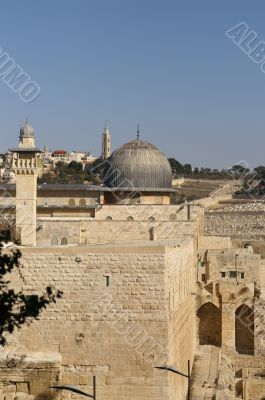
(116, 318)
(143, 212)
(84, 231)
(181, 281)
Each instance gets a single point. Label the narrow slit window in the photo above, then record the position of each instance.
(107, 280)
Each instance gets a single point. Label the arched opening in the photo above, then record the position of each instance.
(71, 202)
(82, 202)
(244, 321)
(54, 241)
(173, 217)
(130, 218)
(239, 389)
(64, 241)
(151, 219)
(210, 325)
(108, 218)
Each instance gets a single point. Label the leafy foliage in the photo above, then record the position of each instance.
(17, 308)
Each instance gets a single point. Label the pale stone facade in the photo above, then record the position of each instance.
(143, 286)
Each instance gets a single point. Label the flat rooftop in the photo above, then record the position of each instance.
(141, 246)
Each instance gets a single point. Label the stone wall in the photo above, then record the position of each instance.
(181, 281)
(25, 375)
(214, 243)
(118, 223)
(144, 212)
(121, 314)
(84, 231)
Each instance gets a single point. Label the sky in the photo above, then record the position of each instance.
(166, 64)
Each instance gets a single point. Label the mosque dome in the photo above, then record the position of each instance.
(138, 164)
(27, 131)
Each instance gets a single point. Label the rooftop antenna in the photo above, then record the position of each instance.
(138, 131)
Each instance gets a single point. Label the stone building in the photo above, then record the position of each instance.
(142, 287)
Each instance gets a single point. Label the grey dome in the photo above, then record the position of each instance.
(138, 164)
(27, 130)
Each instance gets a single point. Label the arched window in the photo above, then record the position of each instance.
(108, 218)
(54, 241)
(71, 202)
(64, 241)
(210, 325)
(244, 324)
(82, 202)
(151, 219)
(130, 218)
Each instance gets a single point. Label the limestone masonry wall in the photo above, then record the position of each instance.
(119, 315)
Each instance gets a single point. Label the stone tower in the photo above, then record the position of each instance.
(26, 163)
(105, 153)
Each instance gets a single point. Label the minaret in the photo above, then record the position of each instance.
(26, 164)
(105, 153)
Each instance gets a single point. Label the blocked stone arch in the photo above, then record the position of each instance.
(244, 329)
(209, 325)
(64, 241)
(151, 219)
(71, 202)
(54, 241)
(173, 217)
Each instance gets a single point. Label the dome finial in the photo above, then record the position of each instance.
(138, 131)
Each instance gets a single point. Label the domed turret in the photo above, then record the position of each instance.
(140, 165)
(27, 136)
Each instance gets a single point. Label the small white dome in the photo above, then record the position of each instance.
(27, 131)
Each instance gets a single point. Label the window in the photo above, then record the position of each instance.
(108, 218)
(223, 274)
(242, 274)
(151, 219)
(71, 202)
(130, 218)
(203, 277)
(232, 274)
(54, 241)
(107, 280)
(82, 202)
(172, 217)
(64, 241)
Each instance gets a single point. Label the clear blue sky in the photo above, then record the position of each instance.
(167, 64)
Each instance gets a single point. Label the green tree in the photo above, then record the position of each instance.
(176, 166)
